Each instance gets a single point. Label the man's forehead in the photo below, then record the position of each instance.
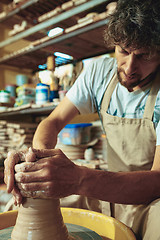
(132, 49)
(144, 52)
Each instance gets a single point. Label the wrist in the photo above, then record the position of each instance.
(84, 181)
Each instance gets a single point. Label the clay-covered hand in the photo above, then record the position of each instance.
(13, 158)
(52, 176)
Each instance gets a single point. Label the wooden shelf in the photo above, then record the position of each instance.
(61, 39)
(29, 109)
(52, 21)
(81, 43)
(45, 110)
(21, 6)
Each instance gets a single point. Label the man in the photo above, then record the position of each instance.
(125, 92)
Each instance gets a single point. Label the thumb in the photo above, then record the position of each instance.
(42, 153)
(30, 155)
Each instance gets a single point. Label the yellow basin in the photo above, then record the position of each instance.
(106, 227)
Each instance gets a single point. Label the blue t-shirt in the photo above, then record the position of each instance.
(88, 91)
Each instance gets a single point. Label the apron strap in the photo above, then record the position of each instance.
(150, 103)
(151, 100)
(108, 93)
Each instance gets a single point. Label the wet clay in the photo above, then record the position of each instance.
(40, 219)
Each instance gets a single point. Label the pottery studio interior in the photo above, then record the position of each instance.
(77, 110)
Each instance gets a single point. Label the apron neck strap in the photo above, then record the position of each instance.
(108, 93)
(150, 103)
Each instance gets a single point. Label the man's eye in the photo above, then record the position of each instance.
(123, 51)
(145, 57)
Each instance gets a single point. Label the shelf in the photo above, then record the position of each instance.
(28, 9)
(17, 114)
(95, 48)
(50, 22)
(83, 42)
(28, 109)
(18, 9)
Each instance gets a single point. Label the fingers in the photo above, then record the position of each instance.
(43, 170)
(48, 176)
(35, 190)
(48, 189)
(22, 155)
(28, 177)
(12, 159)
(27, 166)
(17, 196)
(35, 172)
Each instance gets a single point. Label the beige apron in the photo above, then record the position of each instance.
(130, 145)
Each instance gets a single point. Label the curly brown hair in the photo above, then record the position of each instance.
(135, 24)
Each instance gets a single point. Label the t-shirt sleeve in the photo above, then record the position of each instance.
(158, 133)
(88, 90)
(80, 94)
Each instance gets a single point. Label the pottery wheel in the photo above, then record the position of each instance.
(76, 231)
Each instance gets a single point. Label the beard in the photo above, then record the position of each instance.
(134, 80)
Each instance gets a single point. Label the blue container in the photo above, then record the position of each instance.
(75, 134)
(21, 79)
(12, 89)
(42, 93)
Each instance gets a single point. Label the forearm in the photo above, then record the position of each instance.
(126, 188)
(45, 136)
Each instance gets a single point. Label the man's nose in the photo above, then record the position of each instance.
(130, 65)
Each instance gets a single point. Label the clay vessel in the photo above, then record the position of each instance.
(40, 219)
